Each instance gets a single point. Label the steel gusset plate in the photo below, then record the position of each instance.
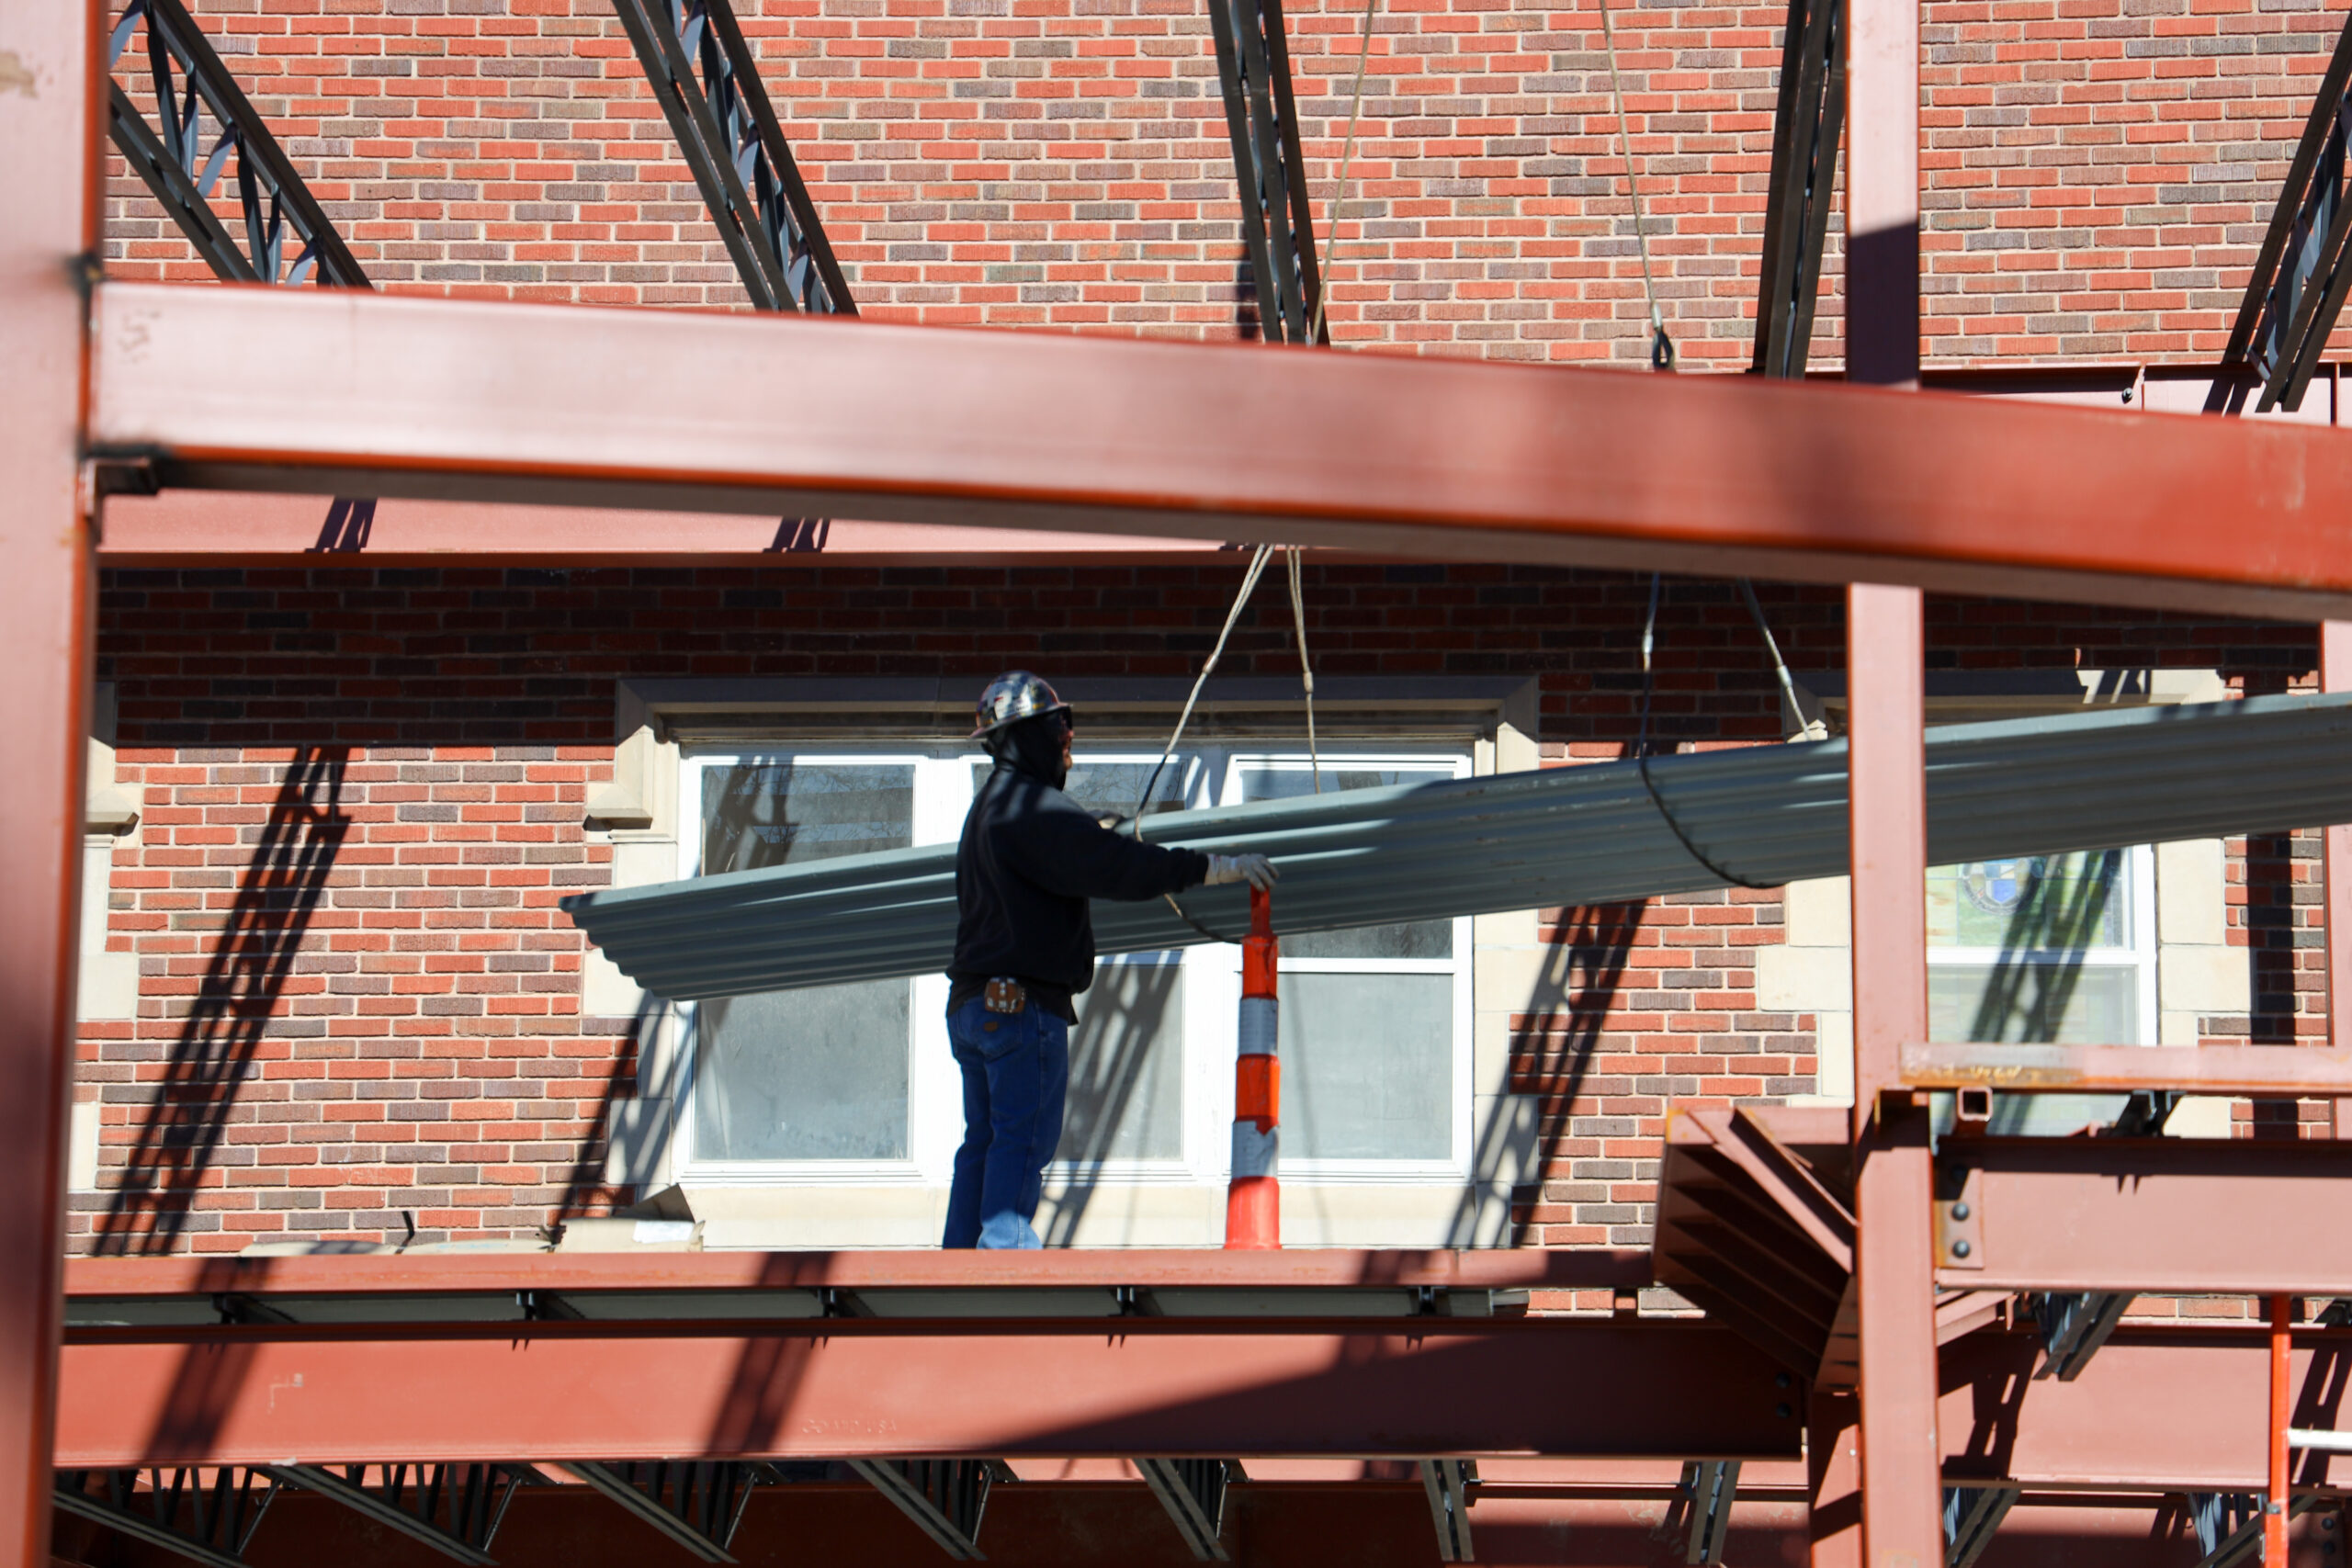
(1806, 124)
(703, 73)
(202, 121)
(1277, 227)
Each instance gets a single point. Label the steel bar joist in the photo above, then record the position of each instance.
(1705, 1494)
(207, 1516)
(1262, 117)
(455, 1509)
(698, 1503)
(1447, 1484)
(707, 81)
(2300, 273)
(1193, 1491)
(947, 1498)
(1972, 1515)
(1806, 124)
(202, 120)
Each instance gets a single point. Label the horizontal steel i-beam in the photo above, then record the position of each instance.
(554, 1391)
(237, 389)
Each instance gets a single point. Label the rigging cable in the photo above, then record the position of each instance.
(1642, 745)
(1249, 582)
(1306, 669)
(1347, 156)
(1661, 346)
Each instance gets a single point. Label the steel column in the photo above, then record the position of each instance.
(2335, 909)
(1834, 1480)
(1894, 1261)
(341, 393)
(1883, 194)
(49, 115)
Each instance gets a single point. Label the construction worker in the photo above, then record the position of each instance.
(1029, 859)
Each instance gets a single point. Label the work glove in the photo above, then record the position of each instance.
(1256, 869)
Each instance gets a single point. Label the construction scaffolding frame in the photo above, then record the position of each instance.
(1878, 1263)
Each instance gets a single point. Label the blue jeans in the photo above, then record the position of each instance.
(1017, 1074)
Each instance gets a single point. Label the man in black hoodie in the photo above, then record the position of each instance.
(1031, 857)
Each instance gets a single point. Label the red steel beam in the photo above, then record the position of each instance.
(333, 392)
(851, 1388)
(439, 1273)
(1646, 1390)
(2158, 1410)
(2120, 1069)
(49, 121)
(192, 527)
(2159, 1215)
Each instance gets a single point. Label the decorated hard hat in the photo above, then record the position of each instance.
(1012, 696)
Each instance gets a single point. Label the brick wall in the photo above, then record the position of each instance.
(364, 791)
(2098, 172)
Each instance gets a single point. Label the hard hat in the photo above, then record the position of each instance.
(1012, 696)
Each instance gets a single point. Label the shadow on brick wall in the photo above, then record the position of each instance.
(1555, 1037)
(275, 898)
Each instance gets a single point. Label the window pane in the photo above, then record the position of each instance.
(1367, 1067)
(1417, 939)
(814, 1074)
(2054, 1002)
(761, 814)
(2033, 904)
(1126, 1059)
(818, 1073)
(1111, 789)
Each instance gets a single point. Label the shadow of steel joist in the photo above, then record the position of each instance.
(170, 159)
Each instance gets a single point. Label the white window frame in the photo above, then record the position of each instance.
(945, 780)
(934, 1097)
(2140, 878)
(1456, 1164)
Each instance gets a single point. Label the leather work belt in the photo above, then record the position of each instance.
(1004, 994)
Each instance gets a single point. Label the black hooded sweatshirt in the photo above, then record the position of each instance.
(1029, 859)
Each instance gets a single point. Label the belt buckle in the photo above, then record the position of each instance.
(1004, 994)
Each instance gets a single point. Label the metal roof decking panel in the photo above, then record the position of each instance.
(1583, 835)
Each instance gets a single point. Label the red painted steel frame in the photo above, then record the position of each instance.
(1307, 1391)
(2120, 1069)
(844, 1388)
(2282, 1404)
(1894, 1261)
(49, 124)
(2157, 1214)
(2336, 675)
(337, 392)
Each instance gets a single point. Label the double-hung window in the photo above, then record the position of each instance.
(854, 1083)
(2056, 949)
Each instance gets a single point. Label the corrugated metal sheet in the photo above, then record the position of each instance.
(1584, 835)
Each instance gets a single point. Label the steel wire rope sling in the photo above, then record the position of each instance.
(1176, 737)
(1642, 741)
